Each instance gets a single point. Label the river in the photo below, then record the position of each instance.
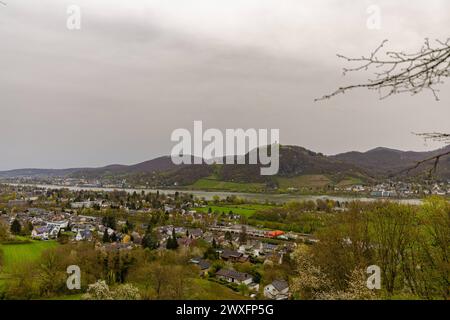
(208, 195)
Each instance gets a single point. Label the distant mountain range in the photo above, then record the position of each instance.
(299, 167)
(387, 162)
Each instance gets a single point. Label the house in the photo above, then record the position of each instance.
(277, 290)
(137, 238)
(267, 248)
(253, 248)
(53, 231)
(234, 276)
(36, 211)
(186, 242)
(202, 264)
(84, 204)
(41, 233)
(168, 208)
(195, 233)
(63, 224)
(234, 256)
(83, 235)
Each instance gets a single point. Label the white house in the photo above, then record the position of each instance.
(277, 290)
(83, 235)
(40, 233)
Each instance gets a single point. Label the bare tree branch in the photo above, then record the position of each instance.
(401, 72)
(435, 136)
(435, 160)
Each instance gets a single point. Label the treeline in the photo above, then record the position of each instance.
(157, 275)
(410, 244)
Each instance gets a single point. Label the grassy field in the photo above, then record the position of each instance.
(213, 184)
(246, 210)
(202, 289)
(349, 182)
(15, 254)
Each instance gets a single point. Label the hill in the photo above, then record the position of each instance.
(299, 168)
(386, 162)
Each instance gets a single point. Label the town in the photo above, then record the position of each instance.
(396, 189)
(155, 245)
(220, 245)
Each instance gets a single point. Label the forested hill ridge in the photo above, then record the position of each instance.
(298, 166)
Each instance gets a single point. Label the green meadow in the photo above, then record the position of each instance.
(213, 184)
(202, 289)
(246, 210)
(16, 254)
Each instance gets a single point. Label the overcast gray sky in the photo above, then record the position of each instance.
(114, 91)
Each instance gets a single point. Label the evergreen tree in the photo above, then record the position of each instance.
(129, 226)
(16, 227)
(150, 240)
(172, 242)
(113, 237)
(106, 237)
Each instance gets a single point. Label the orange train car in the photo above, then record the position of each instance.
(274, 234)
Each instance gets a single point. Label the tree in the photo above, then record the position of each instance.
(211, 254)
(243, 235)
(393, 226)
(228, 236)
(172, 242)
(309, 280)
(98, 291)
(130, 225)
(402, 72)
(150, 240)
(16, 227)
(113, 237)
(109, 222)
(433, 276)
(106, 238)
(126, 292)
(4, 232)
(28, 228)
